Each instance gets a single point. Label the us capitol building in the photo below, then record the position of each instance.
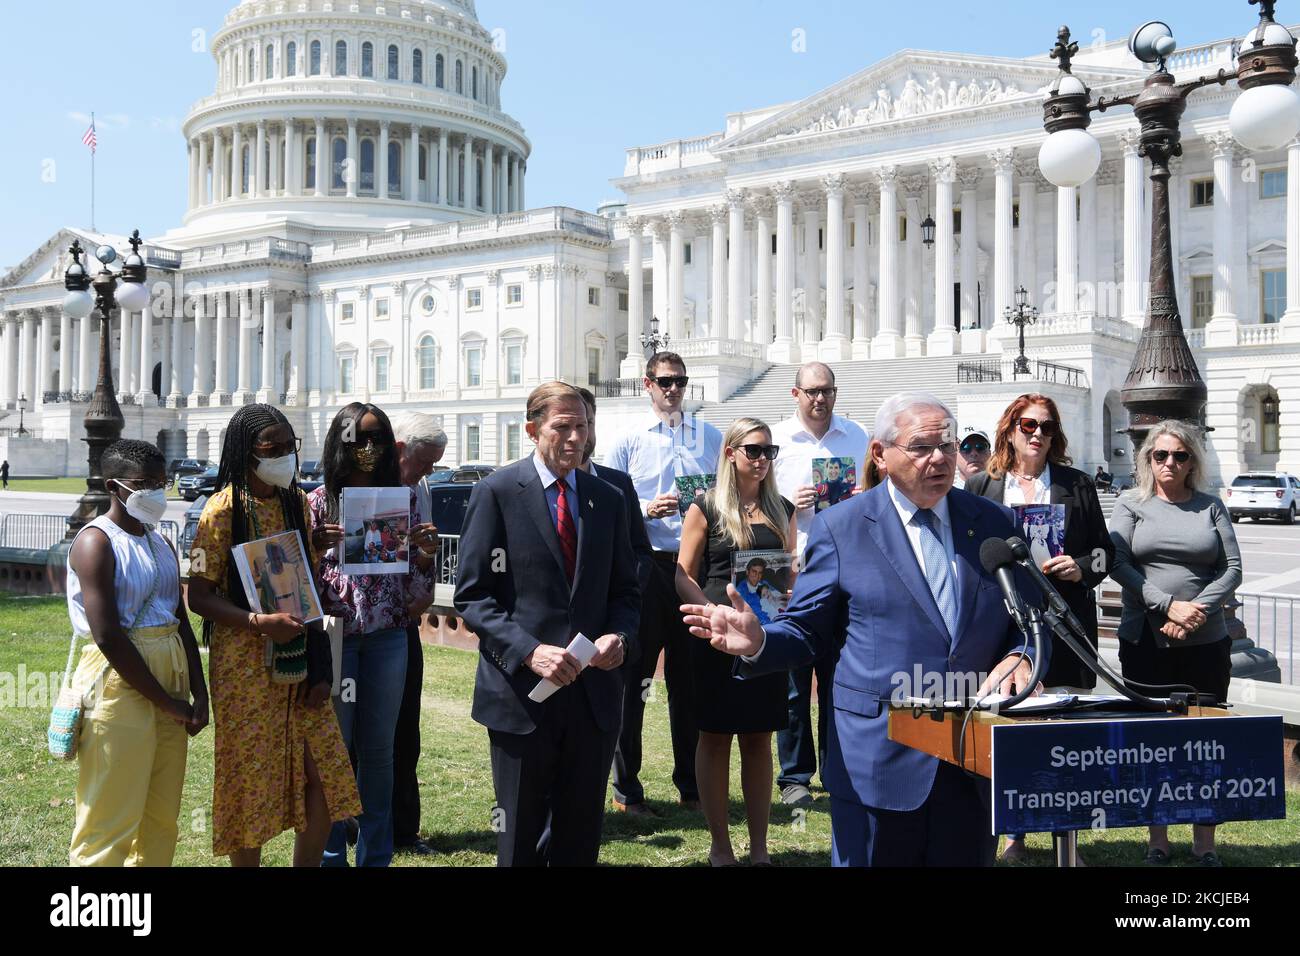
(358, 230)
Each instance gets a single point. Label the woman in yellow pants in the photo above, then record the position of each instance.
(140, 671)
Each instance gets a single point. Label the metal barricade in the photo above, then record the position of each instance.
(33, 532)
(1270, 623)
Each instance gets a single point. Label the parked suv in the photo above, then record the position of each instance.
(181, 467)
(1264, 494)
(196, 486)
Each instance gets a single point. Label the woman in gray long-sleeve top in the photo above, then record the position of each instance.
(1177, 559)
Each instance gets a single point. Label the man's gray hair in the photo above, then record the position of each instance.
(896, 406)
(416, 429)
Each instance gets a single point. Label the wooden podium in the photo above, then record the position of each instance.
(940, 735)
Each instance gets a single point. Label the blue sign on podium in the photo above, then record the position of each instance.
(1102, 774)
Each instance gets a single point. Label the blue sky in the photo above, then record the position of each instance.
(588, 79)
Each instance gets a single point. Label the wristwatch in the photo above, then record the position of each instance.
(622, 637)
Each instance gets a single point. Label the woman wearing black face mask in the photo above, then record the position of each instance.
(138, 671)
(280, 761)
(361, 452)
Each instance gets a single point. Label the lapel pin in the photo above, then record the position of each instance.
(970, 532)
(590, 505)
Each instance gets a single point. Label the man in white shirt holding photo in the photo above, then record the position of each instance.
(813, 432)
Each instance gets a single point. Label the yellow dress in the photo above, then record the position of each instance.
(261, 727)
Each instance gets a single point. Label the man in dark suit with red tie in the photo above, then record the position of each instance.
(545, 555)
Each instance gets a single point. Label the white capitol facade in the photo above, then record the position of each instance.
(358, 231)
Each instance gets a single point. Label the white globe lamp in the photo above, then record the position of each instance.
(1266, 117)
(1069, 157)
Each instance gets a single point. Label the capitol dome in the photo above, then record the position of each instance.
(395, 103)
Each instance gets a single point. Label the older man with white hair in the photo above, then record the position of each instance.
(421, 443)
(894, 574)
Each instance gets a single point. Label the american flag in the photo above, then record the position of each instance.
(90, 139)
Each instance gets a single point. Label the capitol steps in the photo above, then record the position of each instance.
(863, 386)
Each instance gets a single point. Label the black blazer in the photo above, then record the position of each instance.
(1085, 536)
(637, 534)
(511, 591)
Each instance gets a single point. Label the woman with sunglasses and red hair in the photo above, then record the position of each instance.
(1030, 466)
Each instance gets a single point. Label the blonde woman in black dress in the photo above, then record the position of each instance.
(745, 512)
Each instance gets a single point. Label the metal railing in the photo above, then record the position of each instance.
(444, 585)
(998, 370)
(42, 532)
(989, 370)
(1270, 622)
(635, 388)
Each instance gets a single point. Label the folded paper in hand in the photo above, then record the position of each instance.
(583, 650)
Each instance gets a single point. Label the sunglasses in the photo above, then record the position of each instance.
(1161, 456)
(974, 445)
(755, 452)
(666, 382)
(1030, 425)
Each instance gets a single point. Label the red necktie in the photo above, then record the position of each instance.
(568, 533)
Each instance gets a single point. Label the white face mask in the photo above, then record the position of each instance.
(277, 472)
(147, 507)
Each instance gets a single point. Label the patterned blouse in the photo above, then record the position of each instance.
(366, 602)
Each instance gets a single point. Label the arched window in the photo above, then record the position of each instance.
(417, 66)
(341, 58)
(239, 64)
(310, 150)
(291, 59)
(268, 65)
(474, 82)
(426, 358)
(394, 63)
(252, 65)
(424, 163)
(314, 66)
(394, 167)
(439, 72)
(368, 165)
(368, 59)
(460, 77)
(340, 163)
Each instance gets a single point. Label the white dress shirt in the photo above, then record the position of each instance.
(799, 447)
(1013, 494)
(552, 496)
(655, 455)
(906, 509)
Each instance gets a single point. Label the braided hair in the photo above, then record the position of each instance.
(236, 461)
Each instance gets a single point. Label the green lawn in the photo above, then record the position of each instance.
(36, 812)
(65, 486)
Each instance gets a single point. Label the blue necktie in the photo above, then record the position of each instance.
(938, 573)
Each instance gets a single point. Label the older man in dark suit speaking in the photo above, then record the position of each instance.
(545, 556)
(894, 574)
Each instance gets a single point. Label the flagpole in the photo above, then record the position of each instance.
(92, 180)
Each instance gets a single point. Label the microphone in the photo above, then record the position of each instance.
(997, 558)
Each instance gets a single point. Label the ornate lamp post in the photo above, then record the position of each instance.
(1020, 315)
(654, 342)
(22, 409)
(1164, 381)
(103, 421)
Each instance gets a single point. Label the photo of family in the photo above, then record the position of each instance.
(835, 479)
(277, 578)
(763, 579)
(691, 488)
(376, 522)
(1044, 530)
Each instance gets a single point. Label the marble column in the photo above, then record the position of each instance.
(783, 348)
(503, 182)
(205, 184)
(267, 392)
(1134, 217)
(811, 333)
(970, 318)
(194, 174)
(87, 355)
(489, 179)
(1067, 250)
(126, 355)
(244, 340)
(861, 273)
(737, 293)
(323, 171)
(913, 337)
(1004, 266)
(219, 166)
(289, 178)
(764, 210)
(1088, 247)
(237, 163)
(8, 382)
(676, 277)
(943, 339)
(836, 347)
(718, 216)
(1291, 318)
(413, 165)
(1224, 324)
(381, 164)
(467, 172)
(1027, 254)
(442, 196)
(297, 385)
(177, 348)
(888, 341)
(632, 366)
(352, 168)
(261, 181)
(659, 273)
(202, 385)
(221, 387)
(144, 359)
